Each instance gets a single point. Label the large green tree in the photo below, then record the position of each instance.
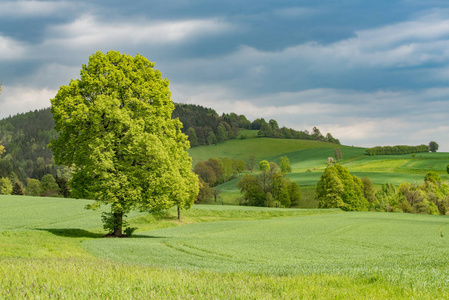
(117, 135)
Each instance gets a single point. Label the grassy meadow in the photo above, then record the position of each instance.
(308, 160)
(53, 248)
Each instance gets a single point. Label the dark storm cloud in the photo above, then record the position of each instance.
(370, 72)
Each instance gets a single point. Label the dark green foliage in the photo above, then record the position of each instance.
(18, 189)
(222, 134)
(368, 190)
(433, 146)
(295, 193)
(49, 185)
(205, 192)
(252, 189)
(337, 188)
(397, 150)
(25, 137)
(193, 139)
(217, 171)
(63, 186)
(129, 231)
(211, 138)
(272, 130)
(209, 127)
(110, 222)
(270, 188)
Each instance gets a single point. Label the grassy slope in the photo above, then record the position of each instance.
(262, 148)
(47, 253)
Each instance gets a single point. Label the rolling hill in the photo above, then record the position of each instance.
(309, 159)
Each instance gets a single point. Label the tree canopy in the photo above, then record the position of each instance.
(337, 188)
(117, 135)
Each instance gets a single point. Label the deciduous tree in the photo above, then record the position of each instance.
(337, 188)
(338, 154)
(284, 163)
(33, 187)
(116, 133)
(5, 186)
(433, 146)
(264, 166)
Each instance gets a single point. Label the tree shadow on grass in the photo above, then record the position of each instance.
(72, 232)
(80, 233)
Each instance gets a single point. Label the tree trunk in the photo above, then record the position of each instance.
(179, 213)
(119, 222)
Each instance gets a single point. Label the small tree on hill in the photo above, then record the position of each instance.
(251, 162)
(116, 133)
(284, 163)
(433, 146)
(338, 154)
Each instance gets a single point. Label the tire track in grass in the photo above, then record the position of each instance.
(206, 254)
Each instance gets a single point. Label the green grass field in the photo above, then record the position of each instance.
(53, 248)
(262, 148)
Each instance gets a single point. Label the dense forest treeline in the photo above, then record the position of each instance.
(26, 137)
(205, 127)
(397, 150)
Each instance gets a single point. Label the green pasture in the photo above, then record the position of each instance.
(53, 248)
(262, 148)
(398, 248)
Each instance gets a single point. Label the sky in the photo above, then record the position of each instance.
(369, 72)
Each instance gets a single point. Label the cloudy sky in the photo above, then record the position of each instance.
(370, 72)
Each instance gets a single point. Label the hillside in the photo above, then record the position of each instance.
(309, 159)
(262, 148)
(53, 246)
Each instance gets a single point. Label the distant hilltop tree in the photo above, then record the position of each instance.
(433, 146)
